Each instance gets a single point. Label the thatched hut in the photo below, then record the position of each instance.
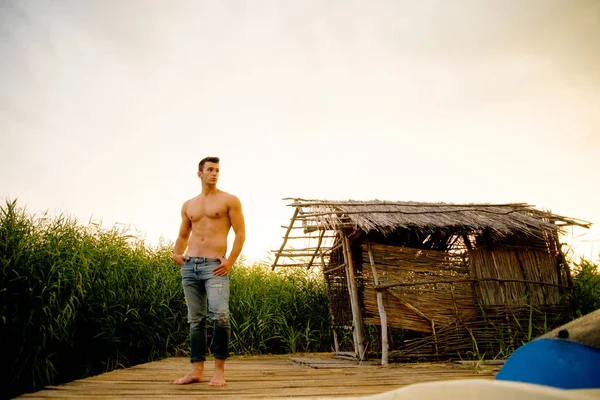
(438, 280)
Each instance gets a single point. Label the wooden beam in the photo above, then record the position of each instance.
(324, 228)
(289, 229)
(310, 203)
(292, 254)
(318, 247)
(309, 237)
(463, 280)
(292, 265)
(334, 268)
(342, 213)
(359, 329)
(380, 307)
(303, 252)
(298, 250)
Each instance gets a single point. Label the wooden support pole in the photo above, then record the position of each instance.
(291, 227)
(435, 339)
(359, 329)
(349, 286)
(380, 307)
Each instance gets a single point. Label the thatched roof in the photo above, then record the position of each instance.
(389, 216)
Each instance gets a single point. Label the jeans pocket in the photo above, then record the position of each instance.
(185, 268)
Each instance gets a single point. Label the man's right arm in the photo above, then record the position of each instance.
(182, 239)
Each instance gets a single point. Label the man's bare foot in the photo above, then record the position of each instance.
(218, 378)
(189, 378)
(196, 375)
(217, 381)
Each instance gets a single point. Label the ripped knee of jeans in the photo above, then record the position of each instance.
(197, 324)
(221, 319)
(217, 285)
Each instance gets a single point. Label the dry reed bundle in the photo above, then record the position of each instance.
(415, 307)
(433, 292)
(503, 263)
(495, 334)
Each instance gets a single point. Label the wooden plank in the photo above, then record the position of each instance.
(261, 377)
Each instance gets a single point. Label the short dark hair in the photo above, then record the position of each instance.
(205, 160)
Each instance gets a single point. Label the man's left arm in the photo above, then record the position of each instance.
(238, 225)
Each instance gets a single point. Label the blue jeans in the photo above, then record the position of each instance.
(200, 286)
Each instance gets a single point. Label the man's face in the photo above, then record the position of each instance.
(209, 173)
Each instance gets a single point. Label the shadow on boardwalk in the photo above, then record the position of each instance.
(272, 377)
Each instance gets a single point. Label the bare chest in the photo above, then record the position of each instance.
(200, 210)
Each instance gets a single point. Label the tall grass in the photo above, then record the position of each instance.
(278, 312)
(586, 293)
(79, 300)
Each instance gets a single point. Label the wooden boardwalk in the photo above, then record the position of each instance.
(272, 377)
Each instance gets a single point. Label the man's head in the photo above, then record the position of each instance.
(214, 160)
(208, 170)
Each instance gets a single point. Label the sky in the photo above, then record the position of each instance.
(107, 107)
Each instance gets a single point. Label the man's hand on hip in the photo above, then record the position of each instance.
(223, 268)
(179, 259)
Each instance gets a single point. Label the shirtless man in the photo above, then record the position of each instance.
(204, 268)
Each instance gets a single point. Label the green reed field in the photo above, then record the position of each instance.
(77, 300)
(586, 279)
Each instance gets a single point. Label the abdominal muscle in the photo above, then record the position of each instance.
(209, 238)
